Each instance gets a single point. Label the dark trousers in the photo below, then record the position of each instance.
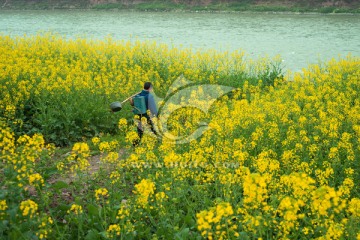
(141, 131)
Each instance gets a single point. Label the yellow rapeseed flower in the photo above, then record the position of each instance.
(144, 190)
(76, 209)
(36, 180)
(101, 193)
(354, 207)
(122, 124)
(113, 230)
(3, 207)
(28, 208)
(95, 140)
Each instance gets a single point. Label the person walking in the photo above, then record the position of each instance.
(150, 112)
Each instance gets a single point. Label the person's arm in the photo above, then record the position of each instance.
(152, 106)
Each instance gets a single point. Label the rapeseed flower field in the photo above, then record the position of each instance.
(279, 160)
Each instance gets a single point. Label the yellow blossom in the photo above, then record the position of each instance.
(28, 208)
(36, 180)
(95, 140)
(101, 193)
(76, 209)
(144, 190)
(113, 230)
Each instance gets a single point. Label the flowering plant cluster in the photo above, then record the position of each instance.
(278, 160)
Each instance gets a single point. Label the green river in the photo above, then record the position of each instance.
(300, 39)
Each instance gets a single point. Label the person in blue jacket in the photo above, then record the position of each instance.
(150, 107)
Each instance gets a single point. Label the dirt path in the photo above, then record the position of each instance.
(95, 164)
(65, 193)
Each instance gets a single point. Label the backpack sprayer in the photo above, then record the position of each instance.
(139, 104)
(139, 109)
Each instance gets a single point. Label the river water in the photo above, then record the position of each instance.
(300, 39)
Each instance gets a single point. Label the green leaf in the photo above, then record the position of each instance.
(92, 235)
(93, 210)
(60, 185)
(4, 224)
(14, 235)
(12, 213)
(243, 235)
(49, 172)
(62, 207)
(183, 234)
(189, 220)
(103, 234)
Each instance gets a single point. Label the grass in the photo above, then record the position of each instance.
(159, 6)
(108, 6)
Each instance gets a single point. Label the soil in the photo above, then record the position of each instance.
(94, 161)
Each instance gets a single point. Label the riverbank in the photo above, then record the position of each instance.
(181, 6)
